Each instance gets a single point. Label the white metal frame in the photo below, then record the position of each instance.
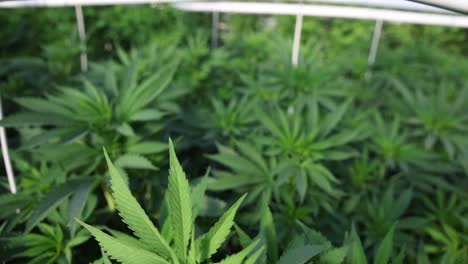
(82, 35)
(6, 155)
(64, 3)
(297, 40)
(366, 13)
(436, 12)
(375, 42)
(385, 4)
(456, 5)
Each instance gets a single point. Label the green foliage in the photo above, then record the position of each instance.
(437, 118)
(52, 243)
(111, 101)
(78, 188)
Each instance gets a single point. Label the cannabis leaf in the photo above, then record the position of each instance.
(134, 215)
(151, 247)
(180, 205)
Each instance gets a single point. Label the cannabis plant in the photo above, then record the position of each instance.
(438, 118)
(308, 80)
(299, 250)
(180, 244)
(447, 216)
(55, 237)
(123, 99)
(250, 171)
(305, 140)
(105, 108)
(393, 147)
(43, 188)
(222, 120)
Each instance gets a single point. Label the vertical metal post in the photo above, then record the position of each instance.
(82, 35)
(6, 155)
(295, 49)
(297, 40)
(214, 30)
(375, 42)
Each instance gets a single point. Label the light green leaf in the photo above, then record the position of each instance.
(123, 252)
(226, 181)
(126, 130)
(253, 154)
(252, 259)
(332, 120)
(334, 256)
(127, 239)
(356, 254)
(240, 256)
(42, 138)
(300, 254)
(384, 251)
(133, 214)
(400, 258)
(42, 106)
(268, 230)
(77, 203)
(180, 205)
(244, 238)
(10, 202)
(209, 243)
(51, 201)
(135, 162)
(33, 119)
(147, 147)
(198, 194)
(301, 184)
(146, 115)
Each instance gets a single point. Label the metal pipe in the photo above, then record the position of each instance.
(388, 4)
(297, 40)
(460, 6)
(398, 4)
(214, 30)
(326, 11)
(375, 42)
(64, 3)
(82, 35)
(6, 155)
(454, 5)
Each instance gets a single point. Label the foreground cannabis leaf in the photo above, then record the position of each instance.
(209, 243)
(122, 251)
(180, 205)
(151, 246)
(133, 215)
